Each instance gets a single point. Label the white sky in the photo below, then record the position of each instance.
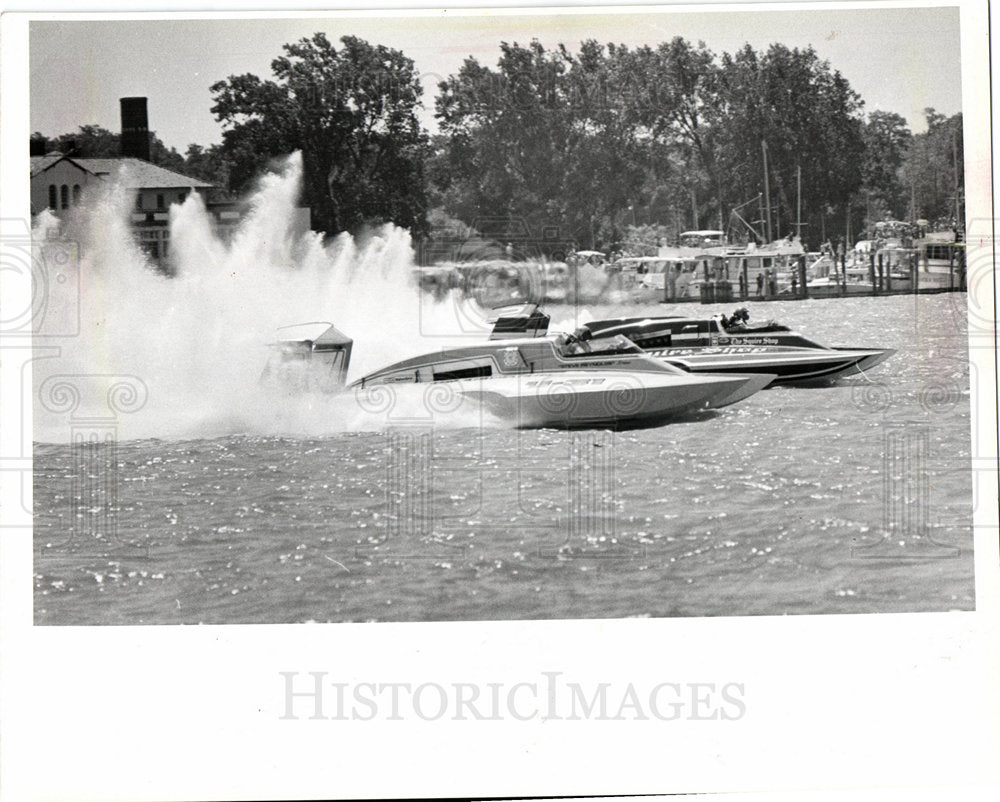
(901, 60)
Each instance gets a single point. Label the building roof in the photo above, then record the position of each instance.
(133, 173)
(39, 164)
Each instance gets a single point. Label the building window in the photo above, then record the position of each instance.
(138, 201)
(64, 196)
(53, 197)
(160, 202)
(77, 192)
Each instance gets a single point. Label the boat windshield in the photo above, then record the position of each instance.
(568, 345)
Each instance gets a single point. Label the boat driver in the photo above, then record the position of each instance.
(737, 321)
(574, 344)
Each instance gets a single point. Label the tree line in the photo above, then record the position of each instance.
(600, 144)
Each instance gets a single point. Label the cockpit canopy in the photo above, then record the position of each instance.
(581, 344)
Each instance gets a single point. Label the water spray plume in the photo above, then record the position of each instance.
(199, 339)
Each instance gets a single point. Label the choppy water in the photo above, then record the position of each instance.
(219, 502)
(777, 505)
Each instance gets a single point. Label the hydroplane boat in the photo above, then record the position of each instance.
(733, 345)
(561, 381)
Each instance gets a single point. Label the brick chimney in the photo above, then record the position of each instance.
(135, 128)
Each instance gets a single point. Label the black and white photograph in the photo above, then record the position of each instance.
(609, 355)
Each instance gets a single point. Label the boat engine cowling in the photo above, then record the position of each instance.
(311, 357)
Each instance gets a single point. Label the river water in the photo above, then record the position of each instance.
(206, 498)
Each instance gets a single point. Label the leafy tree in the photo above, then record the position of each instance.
(584, 140)
(507, 132)
(93, 141)
(162, 156)
(608, 162)
(540, 140)
(934, 168)
(90, 141)
(805, 115)
(669, 91)
(887, 140)
(209, 164)
(352, 114)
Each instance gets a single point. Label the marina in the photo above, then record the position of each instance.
(717, 272)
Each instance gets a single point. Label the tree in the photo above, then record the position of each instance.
(805, 115)
(506, 134)
(934, 169)
(93, 141)
(609, 161)
(162, 156)
(540, 140)
(584, 140)
(668, 92)
(209, 164)
(887, 140)
(90, 141)
(352, 114)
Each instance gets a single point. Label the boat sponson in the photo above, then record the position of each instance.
(539, 401)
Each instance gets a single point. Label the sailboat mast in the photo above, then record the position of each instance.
(798, 201)
(954, 158)
(767, 191)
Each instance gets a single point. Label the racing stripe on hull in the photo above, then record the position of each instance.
(783, 373)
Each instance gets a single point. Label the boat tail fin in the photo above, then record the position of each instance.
(312, 357)
(526, 320)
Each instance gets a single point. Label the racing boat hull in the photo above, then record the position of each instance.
(787, 366)
(578, 399)
(561, 381)
(706, 346)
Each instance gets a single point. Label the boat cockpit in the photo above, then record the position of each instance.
(581, 343)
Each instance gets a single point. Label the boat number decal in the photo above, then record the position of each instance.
(728, 349)
(574, 382)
